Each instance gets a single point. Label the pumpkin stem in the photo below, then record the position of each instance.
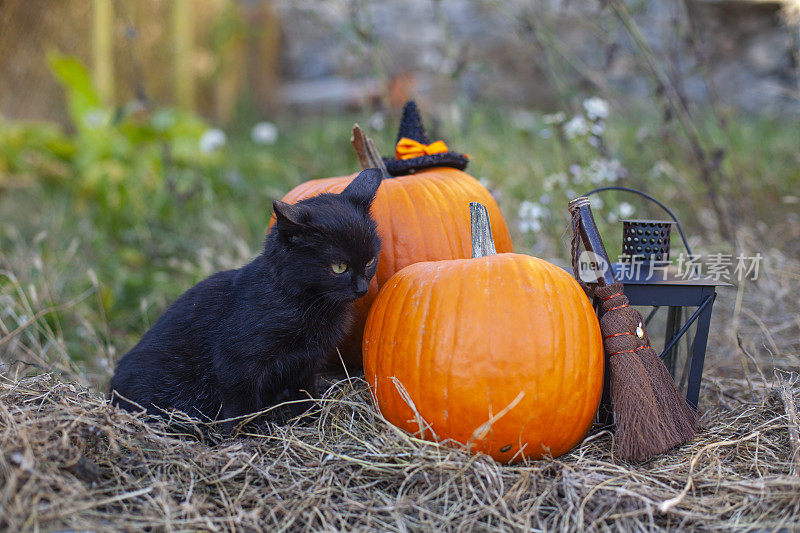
(481, 229)
(366, 152)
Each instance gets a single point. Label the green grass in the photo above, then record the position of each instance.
(83, 275)
(127, 258)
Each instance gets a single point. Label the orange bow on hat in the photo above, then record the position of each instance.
(409, 148)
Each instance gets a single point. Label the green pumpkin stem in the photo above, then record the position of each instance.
(481, 230)
(366, 151)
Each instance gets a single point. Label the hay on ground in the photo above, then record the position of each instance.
(69, 460)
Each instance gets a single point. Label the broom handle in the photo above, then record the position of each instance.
(591, 238)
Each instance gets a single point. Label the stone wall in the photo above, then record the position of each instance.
(532, 53)
(345, 53)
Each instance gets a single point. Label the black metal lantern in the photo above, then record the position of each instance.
(647, 240)
(652, 282)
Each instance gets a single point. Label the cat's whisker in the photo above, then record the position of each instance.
(322, 299)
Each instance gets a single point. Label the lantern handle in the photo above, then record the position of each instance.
(645, 195)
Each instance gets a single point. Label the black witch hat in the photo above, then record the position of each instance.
(411, 128)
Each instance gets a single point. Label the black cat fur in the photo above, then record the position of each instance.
(237, 341)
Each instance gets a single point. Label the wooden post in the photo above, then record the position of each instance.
(183, 41)
(264, 26)
(231, 60)
(103, 49)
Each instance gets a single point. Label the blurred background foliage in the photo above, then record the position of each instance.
(141, 143)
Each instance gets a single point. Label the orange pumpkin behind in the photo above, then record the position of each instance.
(421, 208)
(421, 217)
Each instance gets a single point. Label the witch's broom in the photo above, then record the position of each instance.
(650, 414)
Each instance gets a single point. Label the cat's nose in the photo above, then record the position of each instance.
(361, 287)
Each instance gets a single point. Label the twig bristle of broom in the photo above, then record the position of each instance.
(650, 414)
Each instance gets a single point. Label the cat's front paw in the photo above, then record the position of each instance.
(229, 427)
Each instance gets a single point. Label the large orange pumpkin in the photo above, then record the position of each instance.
(502, 353)
(421, 217)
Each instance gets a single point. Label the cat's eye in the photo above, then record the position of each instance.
(371, 262)
(339, 268)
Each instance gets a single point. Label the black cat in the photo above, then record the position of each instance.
(235, 342)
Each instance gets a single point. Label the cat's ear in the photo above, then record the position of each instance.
(362, 189)
(290, 217)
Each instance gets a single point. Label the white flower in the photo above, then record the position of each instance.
(578, 176)
(605, 170)
(377, 121)
(596, 108)
(625, 209)
(662, 168)
(598, 128)
(212, 139)
(264, 133)
(530, 216)
(555, 180)
(529, 226)
(545, 133)
(576, 127)
(555, 118)
(530, 210)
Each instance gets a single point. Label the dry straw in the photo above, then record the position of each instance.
(71, 461)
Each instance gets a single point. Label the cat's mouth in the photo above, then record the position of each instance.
(344, 297)
(350, 298)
